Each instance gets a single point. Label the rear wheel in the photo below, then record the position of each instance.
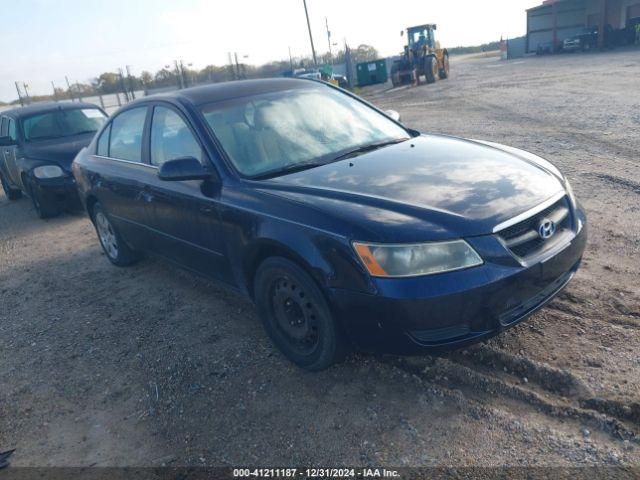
(431, 69)
(11, 193)
(116, 250)
(296, 315)
(444, 71)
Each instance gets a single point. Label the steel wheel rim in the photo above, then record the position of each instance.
(295, 315)
(107, 235)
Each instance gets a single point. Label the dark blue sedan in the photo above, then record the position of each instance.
(342, 225)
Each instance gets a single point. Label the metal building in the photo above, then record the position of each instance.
(555, 20)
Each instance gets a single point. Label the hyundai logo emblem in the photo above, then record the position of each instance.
(546, 228)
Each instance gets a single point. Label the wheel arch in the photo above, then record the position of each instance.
(261, 249)
(90, 202)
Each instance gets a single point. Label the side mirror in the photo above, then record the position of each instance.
(394, 115)
(184, 168)
(7, 142)
(402, 33)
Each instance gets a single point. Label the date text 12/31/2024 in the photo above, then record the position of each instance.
(315, 473)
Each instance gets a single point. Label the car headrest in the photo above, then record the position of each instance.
(265, 116)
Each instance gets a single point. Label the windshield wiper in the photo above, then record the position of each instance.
(289, 168)
(368, 148)
(81, 132)
(43, 137)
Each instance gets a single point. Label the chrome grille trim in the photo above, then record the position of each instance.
(556, 217)
(529, 213)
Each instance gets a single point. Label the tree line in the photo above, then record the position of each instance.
(180, 75)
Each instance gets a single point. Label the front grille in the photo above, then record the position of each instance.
(522, 239)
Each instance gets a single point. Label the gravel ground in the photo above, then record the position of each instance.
(151, 365)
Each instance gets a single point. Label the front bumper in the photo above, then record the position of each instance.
(441, 312)
(60, 191)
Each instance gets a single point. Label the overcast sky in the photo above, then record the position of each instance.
(44, 40)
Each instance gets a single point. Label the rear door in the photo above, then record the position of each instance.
(184, 214)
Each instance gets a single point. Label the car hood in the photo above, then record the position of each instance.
(428, 187)
(60, 151)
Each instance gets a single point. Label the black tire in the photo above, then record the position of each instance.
(431, 69)
(114, 247)
(444, 71)
(41, 207)
(11, 193)
(296, 316)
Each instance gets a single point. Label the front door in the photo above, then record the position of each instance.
(119, 176)
(184, 214)
(8, 157)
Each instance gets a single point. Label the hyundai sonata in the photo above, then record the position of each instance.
(342, 225)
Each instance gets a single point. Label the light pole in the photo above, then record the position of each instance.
(326, 22)
(313, 49)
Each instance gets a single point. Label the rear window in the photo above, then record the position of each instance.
(63, 123)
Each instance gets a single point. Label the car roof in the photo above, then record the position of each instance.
(44, 107)
(226, 90)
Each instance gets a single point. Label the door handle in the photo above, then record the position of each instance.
(147, 196)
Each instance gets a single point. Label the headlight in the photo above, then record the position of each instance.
(415, 260)
(569, 190)
(48, 171)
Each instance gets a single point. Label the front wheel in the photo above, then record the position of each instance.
(296, 315)
(11, 193)
(116, 250)
(431, 69)
(42, 208)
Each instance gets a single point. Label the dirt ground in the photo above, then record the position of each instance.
(151, 365)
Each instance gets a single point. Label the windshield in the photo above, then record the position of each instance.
(62, 123)
(285, 130)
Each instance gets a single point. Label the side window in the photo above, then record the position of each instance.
(11, 130)
(171, 137)
(103, 142)
(126, 135)
(3, 127)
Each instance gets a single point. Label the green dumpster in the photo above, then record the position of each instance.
(370, 73)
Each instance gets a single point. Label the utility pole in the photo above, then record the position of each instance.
(348, 65)
(326, 22)
(237, 65)
(69, 88)
(179, 76)
(123, 86)
(55, 97)
(26, 91)
(231, 67)
(183, 79)
(313, 49)
(130, 81)
(19, 95)
(291, 60)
